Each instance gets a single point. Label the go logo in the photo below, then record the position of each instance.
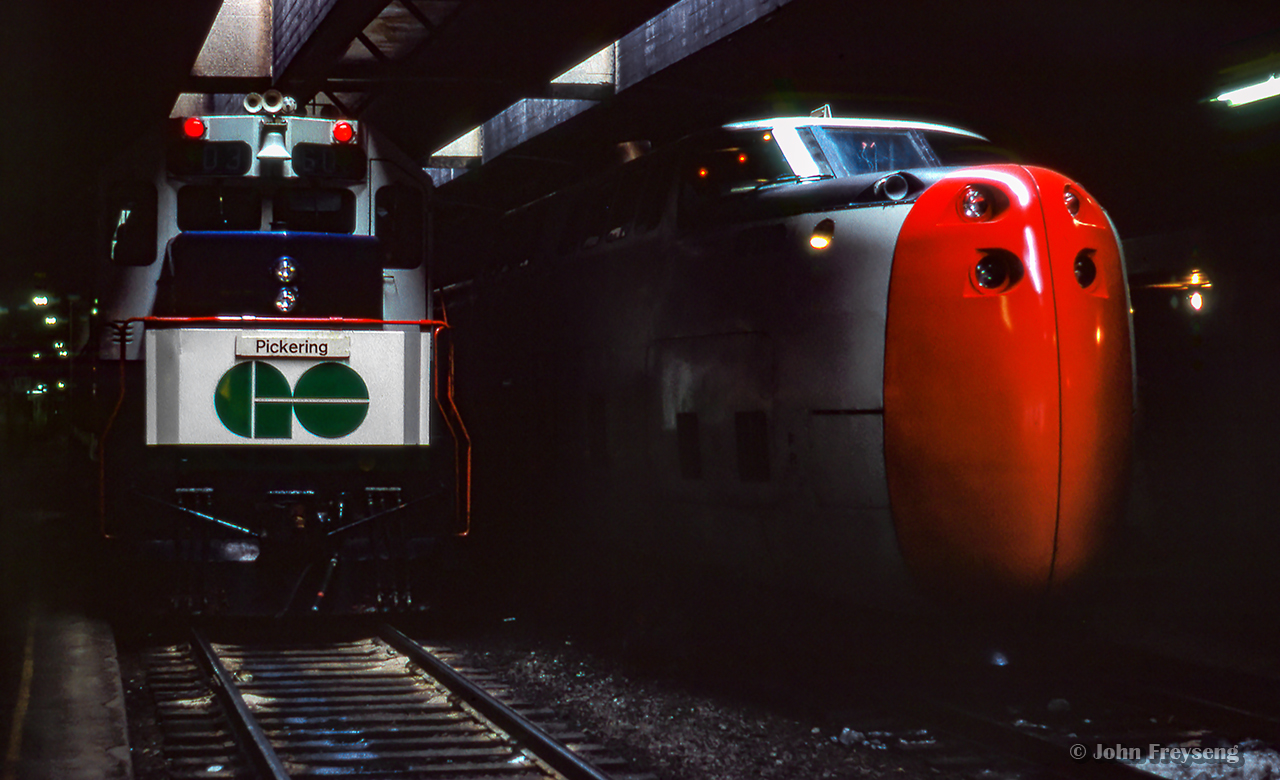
(253, 400)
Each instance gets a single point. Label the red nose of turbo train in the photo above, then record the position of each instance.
(1008, 381)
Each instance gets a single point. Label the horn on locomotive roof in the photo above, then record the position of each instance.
(271, 101)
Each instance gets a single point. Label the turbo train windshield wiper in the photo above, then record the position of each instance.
(790, 178)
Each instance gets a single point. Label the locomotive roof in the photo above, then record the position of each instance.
(809, 121)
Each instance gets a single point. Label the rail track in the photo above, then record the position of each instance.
(382, 705)
(374, 706)
(1113, 712)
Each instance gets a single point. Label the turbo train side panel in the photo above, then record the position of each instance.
(809, 378)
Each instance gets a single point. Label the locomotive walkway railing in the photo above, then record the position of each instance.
(443, 395)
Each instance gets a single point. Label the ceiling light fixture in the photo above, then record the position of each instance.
(1251, 94)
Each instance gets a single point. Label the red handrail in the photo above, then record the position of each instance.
(252, 319)
(452, 418)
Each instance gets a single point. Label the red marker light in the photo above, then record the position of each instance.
(344, 133)
(193, 127)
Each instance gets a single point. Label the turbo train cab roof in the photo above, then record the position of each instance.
(830, 147)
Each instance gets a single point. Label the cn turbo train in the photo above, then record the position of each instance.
(870, 359)
(269, 408)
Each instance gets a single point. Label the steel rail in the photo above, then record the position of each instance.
(1048, 755)
(254, 739)
(541, 744)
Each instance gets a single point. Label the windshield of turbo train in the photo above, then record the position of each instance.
(843, 148)
(852, 151)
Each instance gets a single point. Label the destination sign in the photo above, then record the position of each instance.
(267, 345)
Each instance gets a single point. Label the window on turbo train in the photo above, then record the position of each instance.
(653, 198)
(956, 149)
(858, 151)
(738, 163)
(623, 208)
(743, 163)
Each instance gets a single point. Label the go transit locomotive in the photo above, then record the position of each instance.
(870, 359)
(272, 420)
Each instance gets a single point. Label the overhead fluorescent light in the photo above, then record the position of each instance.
(1252, 93)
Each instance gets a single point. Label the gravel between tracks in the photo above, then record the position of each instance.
(675, 733)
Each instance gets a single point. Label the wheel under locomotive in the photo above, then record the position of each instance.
(868, 359)
(264, 403)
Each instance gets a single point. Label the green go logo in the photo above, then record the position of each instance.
(253, 400)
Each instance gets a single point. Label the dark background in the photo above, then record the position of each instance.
(1112, 94)
(1115, 95)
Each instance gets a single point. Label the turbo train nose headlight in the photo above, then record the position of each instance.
(996, 272)
(976, 203)
(1086, 270)
(991, 273)
(1071, 199)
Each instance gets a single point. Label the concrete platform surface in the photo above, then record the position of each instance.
(68, 720)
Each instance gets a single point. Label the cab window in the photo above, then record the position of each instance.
(314, 210)
(215, 207)
(132, 211)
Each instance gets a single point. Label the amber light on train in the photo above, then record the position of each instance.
(823, 234)
(193, 127)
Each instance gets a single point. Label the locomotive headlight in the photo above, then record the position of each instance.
(1072, 201)
(823, 234)
(286, 270)
(976, 203)
(286, 299)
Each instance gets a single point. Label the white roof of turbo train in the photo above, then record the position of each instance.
(792, 122)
